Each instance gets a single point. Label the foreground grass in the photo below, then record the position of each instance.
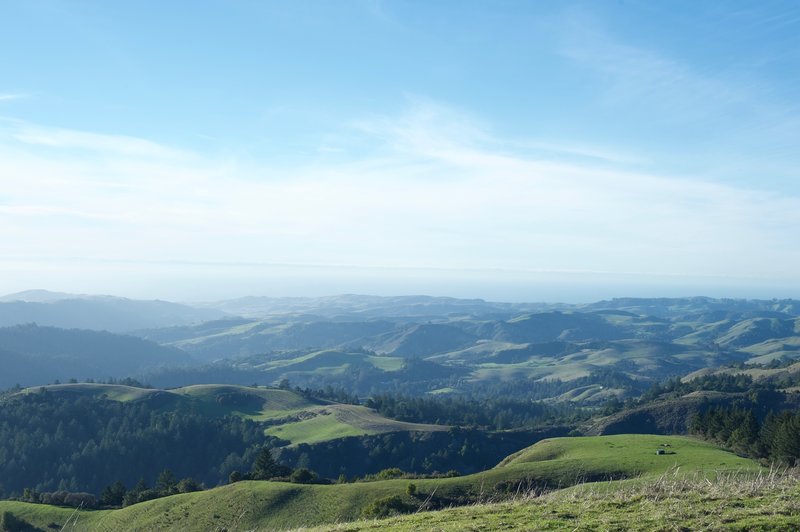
(670, 502)
(548, 465)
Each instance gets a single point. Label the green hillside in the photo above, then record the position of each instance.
(621, 346)
(666, 503)
(289, 415)
(550, 464)
(339, 421)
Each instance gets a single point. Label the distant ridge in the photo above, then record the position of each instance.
(41, 296)
(97, 312)
(32, 355)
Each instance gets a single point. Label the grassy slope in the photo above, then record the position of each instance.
(271, 505)
(628, 454)
(115, 392)
(299, 419)
(277, 403)
(758, 374)
(660, 505)
(640, 358)
(339, 421)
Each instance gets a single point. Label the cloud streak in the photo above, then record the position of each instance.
(439, 192)
(100, 143)
(5, 96)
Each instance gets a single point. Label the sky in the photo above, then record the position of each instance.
(508, 150)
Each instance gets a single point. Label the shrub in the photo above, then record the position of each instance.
(392, 472)
(387, 507)
(303, 476)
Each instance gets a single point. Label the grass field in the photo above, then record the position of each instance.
(640, 357)
(548, 465)
(330, 361)
(276, 403)
(666, 503)
(115, 392)
(338, 421)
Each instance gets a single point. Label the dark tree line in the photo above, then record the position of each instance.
(775, 438)
(54, 443)
(462, 450)
(718, 383)
(489, 414)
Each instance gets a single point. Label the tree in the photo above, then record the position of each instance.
(188, 485)
(166, 483)
(266, 467)
(114, 494)
(303, 476)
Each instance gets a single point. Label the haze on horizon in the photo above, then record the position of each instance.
(512, 151)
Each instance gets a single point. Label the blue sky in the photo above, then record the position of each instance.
(506, 150)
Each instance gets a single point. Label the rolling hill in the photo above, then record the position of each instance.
(102, 313)
(639, 340)
(366, 307)
(548, 465)
(33, 355)
(364, 344)
(287, 414)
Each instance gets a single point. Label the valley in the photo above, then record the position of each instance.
(372, 407)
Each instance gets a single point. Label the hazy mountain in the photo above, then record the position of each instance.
(115, 314)
(32, 355)
(243, 337)
(609, 351)
(42, 296)
(364, 306)
(618, 345)
(552, 326)
(697, 306)
(422, 340)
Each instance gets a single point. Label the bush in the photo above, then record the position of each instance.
(303, 476)
(80, 500)
(392, 472)
(386, 507)
(189, 485)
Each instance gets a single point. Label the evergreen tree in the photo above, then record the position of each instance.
(114, 494)
(265, 466)
(166, 482)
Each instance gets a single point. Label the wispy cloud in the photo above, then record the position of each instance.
(634, 74)
(5, 96)
(724, 119)
(580, 150)
(442, 191)
(96, 142)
